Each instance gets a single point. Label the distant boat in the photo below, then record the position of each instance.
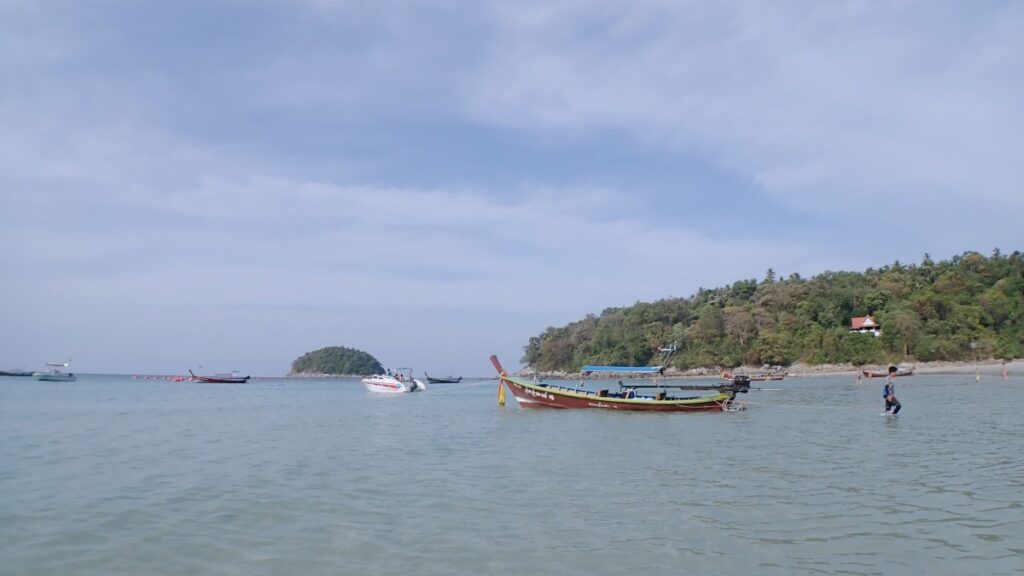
(15, 372)
(904, 372)
(55, 374)
(397, 383)
(232, 378)
(760, 377)
(445, 380)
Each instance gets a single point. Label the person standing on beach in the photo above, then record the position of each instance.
(889, 392)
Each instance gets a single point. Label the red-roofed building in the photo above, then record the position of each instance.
(865, 325)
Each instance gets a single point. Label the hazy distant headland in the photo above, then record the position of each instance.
(969, 308)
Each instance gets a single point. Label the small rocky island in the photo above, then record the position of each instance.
(336, 361)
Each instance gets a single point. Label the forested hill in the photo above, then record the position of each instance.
(969, 307)
(336, 360)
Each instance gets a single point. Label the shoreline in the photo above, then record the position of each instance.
(988, 367)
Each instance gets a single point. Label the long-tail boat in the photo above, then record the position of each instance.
(760, 377)
(444, 380)
(904, 372)
(629, 397)
(219, 378)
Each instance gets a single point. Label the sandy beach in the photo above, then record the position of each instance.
(984, 367)
(981, 367)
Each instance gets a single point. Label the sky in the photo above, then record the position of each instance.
(228, 185)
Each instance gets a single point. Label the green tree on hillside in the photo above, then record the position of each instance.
(968, 307)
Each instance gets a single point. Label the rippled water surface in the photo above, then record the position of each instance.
(111, 475)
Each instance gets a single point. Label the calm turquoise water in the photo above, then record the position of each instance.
(110, 475)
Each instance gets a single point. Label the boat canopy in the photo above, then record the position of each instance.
(623, 369)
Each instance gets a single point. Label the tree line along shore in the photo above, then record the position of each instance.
(1012, 368)
(967, 309)
(964, 313)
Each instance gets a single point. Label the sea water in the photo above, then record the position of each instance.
(110, 475)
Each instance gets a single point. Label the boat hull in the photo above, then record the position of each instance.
(770, 377)
(530, 395)
(59, 377)
(868, 374)
(218, 379)
(389, 385)
(444, 380)
(206, 380)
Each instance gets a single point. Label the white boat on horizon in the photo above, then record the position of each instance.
(399, 382)
(55, 374)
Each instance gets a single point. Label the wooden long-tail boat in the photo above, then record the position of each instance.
(445, 380)
(761, 377)
(629, 397)
(219, 378)
(870, 374)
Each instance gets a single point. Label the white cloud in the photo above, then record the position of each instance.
(827, 106)
(149, 188)
(298, 250)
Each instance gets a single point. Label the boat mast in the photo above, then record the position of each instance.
(666, 353)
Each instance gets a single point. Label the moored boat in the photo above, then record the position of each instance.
(759, 377)
(398, 382)
(635, 397)
(232, 378)
(55, 374)
(444, 380)
(902, 372)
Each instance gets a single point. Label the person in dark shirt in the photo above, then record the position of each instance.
(889, 392)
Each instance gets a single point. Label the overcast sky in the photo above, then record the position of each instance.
(232, 184)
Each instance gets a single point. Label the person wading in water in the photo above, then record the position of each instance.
(889, 392)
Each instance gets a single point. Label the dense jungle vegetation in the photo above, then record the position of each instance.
(967, 308)
(337, 360)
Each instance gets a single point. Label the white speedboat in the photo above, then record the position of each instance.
(55, 374)
(398, 382)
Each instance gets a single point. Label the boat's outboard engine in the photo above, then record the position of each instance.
(740, 384)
